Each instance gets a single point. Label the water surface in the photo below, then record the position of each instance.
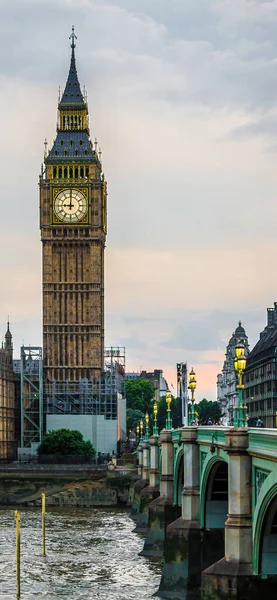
(91, 554)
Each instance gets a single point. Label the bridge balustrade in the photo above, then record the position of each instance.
(223, 482)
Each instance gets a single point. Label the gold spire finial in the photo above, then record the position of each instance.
(73, 37)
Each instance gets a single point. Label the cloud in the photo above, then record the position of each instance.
(192, 207)
(264, 127)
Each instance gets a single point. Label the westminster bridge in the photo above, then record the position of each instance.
(206, 499)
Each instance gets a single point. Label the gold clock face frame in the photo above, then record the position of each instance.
(70, 206)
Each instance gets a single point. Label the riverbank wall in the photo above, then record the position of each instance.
(64, 485)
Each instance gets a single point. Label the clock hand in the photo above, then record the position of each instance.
(71, 205)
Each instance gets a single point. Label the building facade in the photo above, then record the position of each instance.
(9, 402)
(260, 378)
(227, 394)
(82, 381)
(73, 217)
(156, 377)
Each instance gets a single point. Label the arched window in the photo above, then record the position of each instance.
(76, 152)
(71, 142)
(86, 152)
(55, 172)
(82, 172)
(60, 172)
(81, 142)
(62, 142)
(56, 152)
(65, 172)
(76, 172)
(65, 153)
(87, 172)
(70, 173)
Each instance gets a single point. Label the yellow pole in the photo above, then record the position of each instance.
(17, 552)
(43, 522)
(276, 418)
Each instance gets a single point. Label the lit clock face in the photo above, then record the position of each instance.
(70, 206)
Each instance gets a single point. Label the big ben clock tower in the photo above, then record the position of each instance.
(73, 212)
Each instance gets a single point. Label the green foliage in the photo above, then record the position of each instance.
(133, 417)
(65, 441)
(162, 413)
(207, 409)
(140, 395)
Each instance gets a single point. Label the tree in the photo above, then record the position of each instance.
(65, 441)
(140, 395)
(133, 418)
(162, 413)
(207, 409)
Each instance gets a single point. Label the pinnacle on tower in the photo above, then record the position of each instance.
(72, 142)
(72, 95)
(8, 338)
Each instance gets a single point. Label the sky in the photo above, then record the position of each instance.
(182, 98)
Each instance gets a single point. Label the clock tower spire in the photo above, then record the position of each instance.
(73, 195)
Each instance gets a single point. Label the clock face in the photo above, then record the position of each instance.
(70, 206)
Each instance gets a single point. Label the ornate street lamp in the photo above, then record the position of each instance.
(192, 388)
(240, 366)
(146, 427)
(141, 432)
(137, 432)
(168, 398)
(155, 412)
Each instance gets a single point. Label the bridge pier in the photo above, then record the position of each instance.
(144, 499)
(139, 484)
(132, 486)
(232, 576)
(152, 491)
(181, 574)
(161, 510)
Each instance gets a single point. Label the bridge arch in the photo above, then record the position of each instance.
(178, 476)
(214, 493)
(265, 528)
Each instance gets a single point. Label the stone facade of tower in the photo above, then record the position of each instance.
(227, 394)
(73, 216)
(9, 417)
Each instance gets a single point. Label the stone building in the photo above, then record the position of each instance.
(227, 395)
(9, 402)
(260, 379)
(158, 380)
(80, 391)
(73, 223)
(156, 377)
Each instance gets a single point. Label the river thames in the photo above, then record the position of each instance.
(91, 554)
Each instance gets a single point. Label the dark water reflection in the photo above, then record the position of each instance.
(91, 554)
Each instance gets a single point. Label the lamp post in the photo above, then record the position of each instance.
(155, 413)
(192, 388)
(141, 431)
(240, 366)
(168, 424)
(146, 427)
(137, 433)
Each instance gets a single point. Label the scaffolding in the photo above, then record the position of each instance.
(31, 395)
(98, 396)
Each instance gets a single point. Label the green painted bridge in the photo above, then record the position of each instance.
(206, 498)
